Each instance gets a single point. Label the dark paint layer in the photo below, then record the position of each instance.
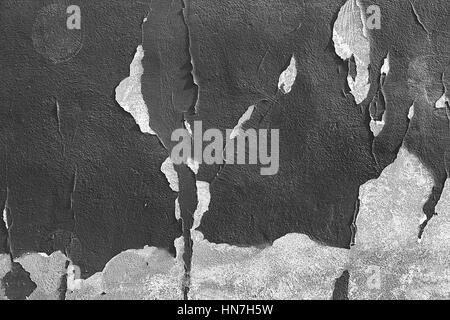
(340, 291)
(17, 283)
(81, 176)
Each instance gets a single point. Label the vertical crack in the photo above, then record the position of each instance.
(340, 291)
(417, 18)
(187, 199)
(58, 118)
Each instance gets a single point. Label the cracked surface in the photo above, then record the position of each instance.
(81, 183)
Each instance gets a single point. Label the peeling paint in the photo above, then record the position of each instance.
(5, 218)
(288, 76)
(129, 95)
(193, 164)
(237, 130)
(443, 102)
(177, 209)
(387, 261)
(204, 197)
(390, 212)
(386, 67)
(349, 40)
(377, 126)
(294, 267)
(136, 274)
(171, 175)
(46, 272)
(5, 267)
(411, 112)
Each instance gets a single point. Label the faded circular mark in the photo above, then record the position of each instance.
(51, 37)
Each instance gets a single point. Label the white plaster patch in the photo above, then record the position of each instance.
(391, 206)
(129, 95)
(46, 272)
(136, 274)
(287, 77)
(294, 267)
(5, 267)
(387, 262)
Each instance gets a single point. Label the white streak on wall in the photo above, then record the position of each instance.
(5, 218)
(188, 127)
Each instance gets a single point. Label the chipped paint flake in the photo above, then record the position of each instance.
(193, 164)
(171, 175)
(177, 209)
(386, 65)
(377, 126)
(5, 218)
(237, 130)
(204, 197)
(287, 77)
(129, 95)
(411, 112)
(442, 102)
(349, 40)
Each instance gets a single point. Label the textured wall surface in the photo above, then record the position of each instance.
(96, 206)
